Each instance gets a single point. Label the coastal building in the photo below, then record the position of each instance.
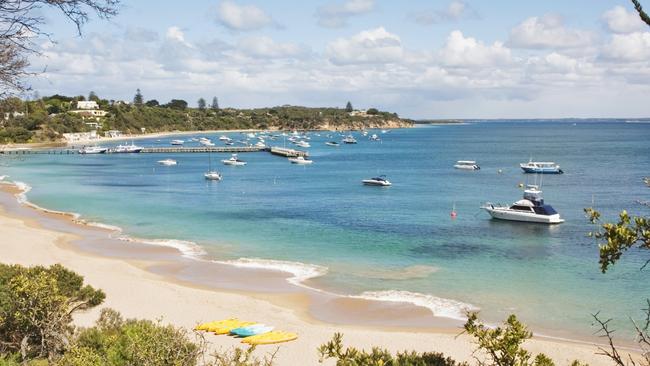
(89, 109)
(80, 136)
(359, 113)
(13, 114)
(113, 133)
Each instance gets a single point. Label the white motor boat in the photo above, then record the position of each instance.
(167, 162)
(206, 143)
(234, 160)
(332, 143)
(377, 181)
(349, 140)
(121, 149)
(224, 138)
(303, 144)
(541, 167)
(467, 165)
(529, 209)
(300, 160)
(177, 142)
(260, 144)
(374, 137)
(93, 150)
(212, 175)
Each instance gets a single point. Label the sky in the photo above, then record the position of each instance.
(422, 59)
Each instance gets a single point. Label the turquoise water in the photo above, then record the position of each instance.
(375, 240)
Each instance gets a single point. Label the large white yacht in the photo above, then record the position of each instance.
(529, 209)
(126, 149)
(234, 160)
(349, 139)
(93, 150)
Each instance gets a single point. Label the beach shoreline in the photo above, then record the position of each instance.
(269, 296)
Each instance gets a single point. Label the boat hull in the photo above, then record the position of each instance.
(375, 183)
(502, 213)
(530, 170)
(466, 167)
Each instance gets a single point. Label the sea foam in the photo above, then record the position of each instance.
(440, 307)
(300, 271)
(188, 249)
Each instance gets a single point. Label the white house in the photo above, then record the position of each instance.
(113, 133)
(87, 104)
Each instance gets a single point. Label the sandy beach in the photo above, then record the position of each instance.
(139, 282)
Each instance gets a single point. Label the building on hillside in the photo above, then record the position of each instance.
(359, 113)
(14, 115)
(80, 136)
(87, 104)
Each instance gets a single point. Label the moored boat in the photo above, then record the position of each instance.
(128, 149)
(541, 167)
(529, 209)
(167, 162)
(300, 160)
(93, 150)
(349, 139)
(377, 181)
(234, 160)
(332, 143)
(176, 142)
(467, 165)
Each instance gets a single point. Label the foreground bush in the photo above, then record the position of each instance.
(36, 308)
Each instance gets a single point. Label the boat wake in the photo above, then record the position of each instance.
(440, 307)
(188, 249)
(300, 272)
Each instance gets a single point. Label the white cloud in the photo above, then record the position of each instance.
(336, 15)
(367, 47)
(619, 20)
(548, 32)
(175, 34)
(455, 10)
(266, 47)
(628, 47)
(242, 17)
(461, 51)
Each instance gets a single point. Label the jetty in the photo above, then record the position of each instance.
(171, 150)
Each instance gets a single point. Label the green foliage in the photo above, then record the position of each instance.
(348, 107)
(617, 238)
(36, 307)
(177, 104)
(215, 104)
(152, 103)
(201, 104)
(379, 357)
(642, 14)
(138, 99)
(239, 357)
(372, 111)
(502, 345)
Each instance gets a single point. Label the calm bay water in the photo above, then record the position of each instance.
(397, 238)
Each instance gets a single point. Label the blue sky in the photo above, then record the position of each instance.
(422, 59)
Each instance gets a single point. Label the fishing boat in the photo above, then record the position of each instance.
(467, 165)
(377, 181)
(234, 160)
(93, 150)
(300, 160)
(349, 139)
(529, 209)
(541, 167)
(211, 174)
(177, 142)
(128, 149)
(332, 143)
(167, 162)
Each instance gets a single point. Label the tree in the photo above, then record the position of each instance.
(177, 104)
(201, 104)
(215, 104)
(348, 107)
(21, 23)
(92, 96)
(36, 308)
(642, 14)
(372, 111)
(152, 103)
(137, 99)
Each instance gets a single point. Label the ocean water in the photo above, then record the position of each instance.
(397, 242)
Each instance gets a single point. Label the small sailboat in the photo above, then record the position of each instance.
(211, 174)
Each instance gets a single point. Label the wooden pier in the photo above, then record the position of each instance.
(171, 150)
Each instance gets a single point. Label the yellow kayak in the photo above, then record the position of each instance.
(226, 328)
(271, 338)
(208, 325)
